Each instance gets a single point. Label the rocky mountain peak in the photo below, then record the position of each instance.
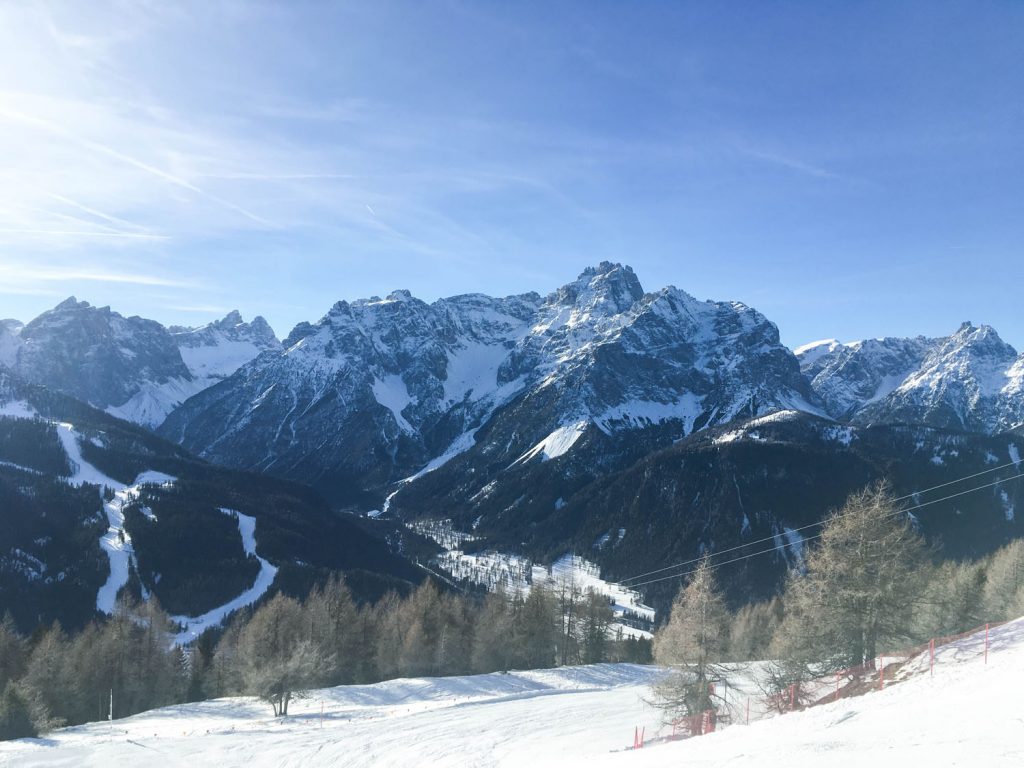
(608, 288)
(963, 381)
(230, 320)
(71, 303)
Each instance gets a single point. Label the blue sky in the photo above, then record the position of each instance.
(850, 169)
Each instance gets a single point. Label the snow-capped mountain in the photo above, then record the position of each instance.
(96, 355)
(971, 380)
(131, 367)
(214, 351)
(381, 389)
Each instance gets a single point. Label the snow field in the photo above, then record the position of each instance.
(539, 717)
(968, 714)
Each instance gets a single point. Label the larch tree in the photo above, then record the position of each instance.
(278, 662)
(861, 586)
(692, 645)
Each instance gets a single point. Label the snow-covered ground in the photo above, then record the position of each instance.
(512, 572)
(969, 714)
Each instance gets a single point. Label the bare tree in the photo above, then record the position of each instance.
(692, 644)
(278, 661)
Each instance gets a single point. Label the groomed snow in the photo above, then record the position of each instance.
(116, 542)
(967, 715)
(194, 626)
(542, 717)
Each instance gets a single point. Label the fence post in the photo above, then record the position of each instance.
(881, 673)
(792, 696)
(986, 643)
(837, 688)
(643, 733)
(748, 710)
(931, 654)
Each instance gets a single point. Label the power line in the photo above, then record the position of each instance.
(813, 525)
(805, 539)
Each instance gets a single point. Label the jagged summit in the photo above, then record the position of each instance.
(132, 367)
(609, 287)
(71, 303)
(969, 380)
(384, 388)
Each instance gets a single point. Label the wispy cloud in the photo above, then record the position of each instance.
(95, 146)
(73, 233)
(23, 274)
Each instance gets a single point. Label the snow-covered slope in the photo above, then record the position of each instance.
(967, 715)
(380, 389)
(971, 380)
(211, 353)
(214, 351)
(92, 505)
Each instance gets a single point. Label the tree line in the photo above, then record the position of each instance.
(868, 584)
(287, 646)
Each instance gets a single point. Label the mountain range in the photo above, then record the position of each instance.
(630, 426)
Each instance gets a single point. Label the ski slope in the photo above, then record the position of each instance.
(195, 626)
(969, 714)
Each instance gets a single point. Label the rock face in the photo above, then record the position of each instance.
(131, 367)
(382, 389)
(97, 355)
(971, 380)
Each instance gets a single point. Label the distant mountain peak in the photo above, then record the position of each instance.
(963, 381)
(231, 319)
(71, 303)
(609, 287)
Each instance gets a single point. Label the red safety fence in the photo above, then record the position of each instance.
(885, 669)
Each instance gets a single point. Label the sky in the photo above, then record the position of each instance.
(852, 170)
